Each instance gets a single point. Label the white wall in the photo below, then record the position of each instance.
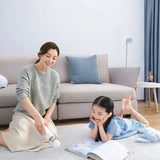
(77, 26)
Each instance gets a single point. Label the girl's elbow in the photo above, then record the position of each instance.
(93, 137)
(147, 124)
(105, 140)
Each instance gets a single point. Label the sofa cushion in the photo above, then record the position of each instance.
(8, 96)
(71, 93)
(83, 70)
(61, 66)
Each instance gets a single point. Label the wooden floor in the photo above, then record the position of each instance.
(149, 113)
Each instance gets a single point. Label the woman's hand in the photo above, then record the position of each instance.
(47, 120)
(40, 125)
(39, 121)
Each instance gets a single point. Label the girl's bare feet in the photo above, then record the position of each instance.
(126, 104)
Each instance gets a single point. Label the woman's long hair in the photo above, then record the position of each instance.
(107, 103)
(46, 47)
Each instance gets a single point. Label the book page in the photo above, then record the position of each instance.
(110, 150)
(84, 146)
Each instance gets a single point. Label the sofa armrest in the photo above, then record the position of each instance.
(124, 76)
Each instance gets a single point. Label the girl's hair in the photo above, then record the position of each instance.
(46, 47)
(107, 103)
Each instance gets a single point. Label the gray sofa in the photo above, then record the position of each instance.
(75, 99)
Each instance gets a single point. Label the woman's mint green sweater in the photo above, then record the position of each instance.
(42, 88)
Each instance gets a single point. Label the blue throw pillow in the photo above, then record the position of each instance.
(83, 70)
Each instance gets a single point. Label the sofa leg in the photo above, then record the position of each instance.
(63, 121)
(127, 116)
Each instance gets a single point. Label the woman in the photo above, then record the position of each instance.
(37, 91)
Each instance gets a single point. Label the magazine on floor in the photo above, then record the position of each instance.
(110, 150)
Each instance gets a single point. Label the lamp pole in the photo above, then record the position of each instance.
(128, 41)
(126, 53)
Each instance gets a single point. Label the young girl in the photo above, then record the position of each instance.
(105, 126)
(37, 91)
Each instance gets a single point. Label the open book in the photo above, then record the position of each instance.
(110, 150)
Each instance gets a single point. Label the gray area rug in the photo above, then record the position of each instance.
(72, 133)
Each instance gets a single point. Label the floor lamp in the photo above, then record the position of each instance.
(128, 41)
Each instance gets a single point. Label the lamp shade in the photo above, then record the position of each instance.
(129, 40)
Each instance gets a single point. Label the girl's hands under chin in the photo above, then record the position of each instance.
(105, 117)
(93, 120)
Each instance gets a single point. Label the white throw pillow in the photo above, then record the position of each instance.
(3, 81)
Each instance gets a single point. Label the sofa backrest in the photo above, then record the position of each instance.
(127, 76)
(10, 65)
